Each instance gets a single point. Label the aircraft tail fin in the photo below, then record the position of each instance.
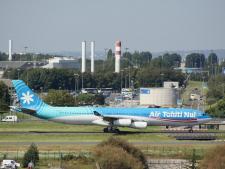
(27, 98)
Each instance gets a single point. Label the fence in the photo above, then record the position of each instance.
(149, 150)
(42, 155)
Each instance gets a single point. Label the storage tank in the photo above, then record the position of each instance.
(165, 97)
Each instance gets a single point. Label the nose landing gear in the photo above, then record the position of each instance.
(191, 130)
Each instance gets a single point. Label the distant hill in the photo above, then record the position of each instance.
(219, 52)
(101, 54)
(76, 54)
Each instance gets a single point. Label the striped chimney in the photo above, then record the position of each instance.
(117, 56)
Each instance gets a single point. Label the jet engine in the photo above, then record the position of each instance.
(122, 122)
(139, 124)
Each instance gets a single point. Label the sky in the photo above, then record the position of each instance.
(143, 25)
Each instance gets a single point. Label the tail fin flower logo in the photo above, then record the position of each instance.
(27, 97)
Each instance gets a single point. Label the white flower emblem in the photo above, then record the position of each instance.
(27, 98)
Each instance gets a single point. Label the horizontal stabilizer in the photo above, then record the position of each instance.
(28, 111)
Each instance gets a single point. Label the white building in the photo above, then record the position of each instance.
(62, 62)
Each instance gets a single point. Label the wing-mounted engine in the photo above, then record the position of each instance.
(122, 122)
(139, 124)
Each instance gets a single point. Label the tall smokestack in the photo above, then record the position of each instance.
(83, 59)
(10, 50)
(92, 57)
(117, 56)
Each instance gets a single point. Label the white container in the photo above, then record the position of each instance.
(10, 119)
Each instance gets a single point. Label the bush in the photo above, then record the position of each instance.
(218, 109)
(78, 162)
(32, 154)
(124, 146)
(111, 157)
(214, 159)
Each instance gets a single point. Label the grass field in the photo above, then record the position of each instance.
(69, 139)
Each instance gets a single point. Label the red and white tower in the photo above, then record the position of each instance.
(117, 56)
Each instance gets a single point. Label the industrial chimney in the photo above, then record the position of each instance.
(83, 59)
(92, 57)
(117, 56)
(10, 50)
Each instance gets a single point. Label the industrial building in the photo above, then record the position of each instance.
(62, 62)
(171, 84)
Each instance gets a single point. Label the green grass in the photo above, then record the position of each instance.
(81, 137)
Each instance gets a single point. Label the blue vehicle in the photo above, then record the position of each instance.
(106, 116)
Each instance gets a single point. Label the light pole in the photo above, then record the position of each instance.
(121, 80)
(82, 80)
(75, 87)
(103, 63)
(18, 74)
(25, 51)
(128, 65)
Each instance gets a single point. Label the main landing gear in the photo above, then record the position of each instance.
(191, 130)
(111, 130)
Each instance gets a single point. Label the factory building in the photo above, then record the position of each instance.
(164, 97)
(62, 62)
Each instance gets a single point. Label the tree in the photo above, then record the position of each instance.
(218, 109)
(4, 96)
(86, 99)
(216, 85)
(212, 63)
(212, 59)
(195, 60)
(32, 154)
(3, 56)
(110, 54)
(171, 60)
(59, 98)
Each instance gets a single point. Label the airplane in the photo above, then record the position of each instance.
(110, 117)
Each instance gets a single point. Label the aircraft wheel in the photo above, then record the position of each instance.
(105, 130)
(117, 131)
(191, 131)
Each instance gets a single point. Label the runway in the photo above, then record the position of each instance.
(99, 132)
(135, 143)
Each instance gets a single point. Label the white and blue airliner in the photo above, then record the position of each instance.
(110, 117)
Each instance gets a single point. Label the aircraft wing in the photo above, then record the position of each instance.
(107, 117)
(111, 118)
